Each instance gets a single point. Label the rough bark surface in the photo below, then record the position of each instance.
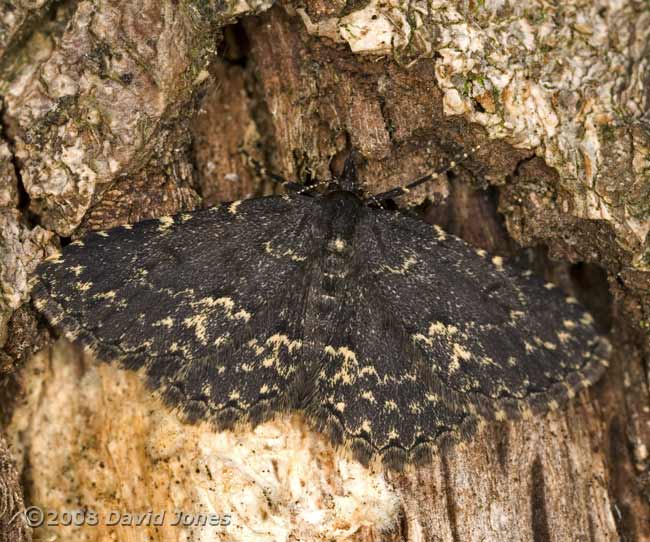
(12, 526)
(117, 111)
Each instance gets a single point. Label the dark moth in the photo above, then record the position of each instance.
(391, 335)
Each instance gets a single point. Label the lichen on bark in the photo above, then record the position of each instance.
(92, 103)
(567, 80)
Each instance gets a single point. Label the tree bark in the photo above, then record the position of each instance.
(118, 111)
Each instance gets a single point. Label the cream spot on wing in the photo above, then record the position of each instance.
(83, 286)
(279, 339)
(259, 350)
(549, 345)
(407, 264)
(368, 396)
(441, 235)
(105, 295)
(232, 208)
(101, 233)
(289, 253)
(275, 342)
(458, 353)
(569, 324)
(77, 270)
(498, 262)
(340, 406)
(54, 258)
(198, 322)
(390, 406)
(500, 415)
(207, 304)
(264, 389)
(512, 361)
(366, 426)
(243, 315)
(368, 370)
(571, 300)
(77, 243)
(423, 338)
(549, 285)
(339, 244)
(226, 302)
(482, 253)
(393, 434)
(166, 222)
(409, 376)
(293, 256)
(340, 275)
(348, 371)
(587, 319)
(127, 226)
(268, 362)
(438, 328)
(168, 322)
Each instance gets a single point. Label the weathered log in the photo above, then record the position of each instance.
(119, 111)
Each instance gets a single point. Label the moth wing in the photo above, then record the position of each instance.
(500, 337)
(440, 334)
(208, 304)
(375, 394)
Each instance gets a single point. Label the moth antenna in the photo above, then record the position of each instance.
(348, 180)
(372, 199)
(313, 187)
(261, 171)
(401, 190)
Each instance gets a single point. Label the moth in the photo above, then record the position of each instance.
(392, 336)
